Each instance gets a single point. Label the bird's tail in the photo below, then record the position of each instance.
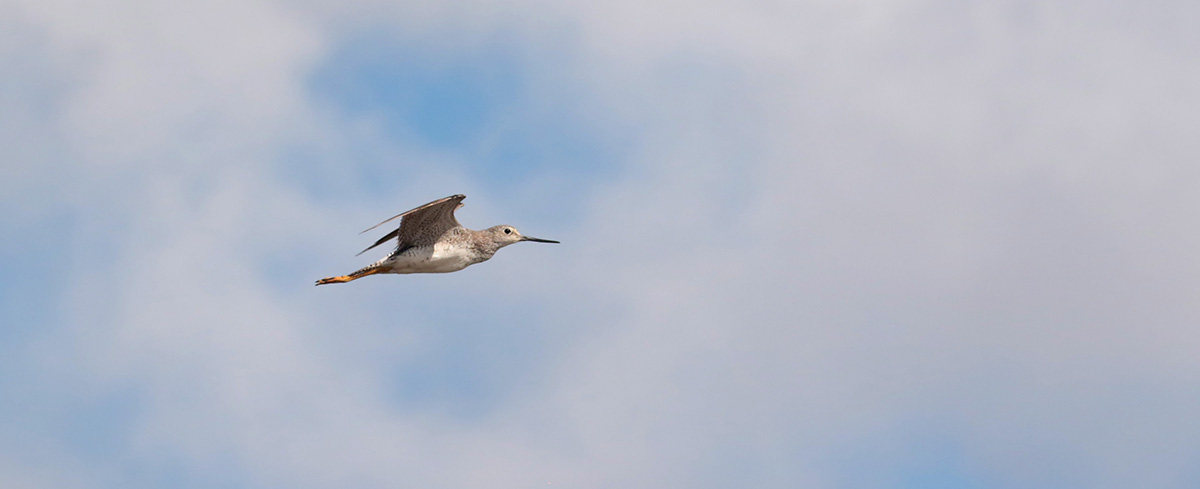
(363, 272)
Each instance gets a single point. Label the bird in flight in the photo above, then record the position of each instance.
(430, 240)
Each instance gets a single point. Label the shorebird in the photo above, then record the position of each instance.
(430, 240)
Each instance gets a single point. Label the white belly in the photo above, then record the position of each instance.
(439, 258)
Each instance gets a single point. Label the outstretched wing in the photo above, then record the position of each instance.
(423, 225)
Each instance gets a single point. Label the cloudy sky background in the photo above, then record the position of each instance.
(858, 244)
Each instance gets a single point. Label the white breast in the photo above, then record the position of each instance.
(439, 258)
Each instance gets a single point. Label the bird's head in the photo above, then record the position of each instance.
(504, 235)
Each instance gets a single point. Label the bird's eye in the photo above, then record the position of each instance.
(507, 230)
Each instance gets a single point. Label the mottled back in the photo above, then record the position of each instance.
(424, 225)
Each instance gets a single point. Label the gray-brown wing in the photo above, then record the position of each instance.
(423, 225)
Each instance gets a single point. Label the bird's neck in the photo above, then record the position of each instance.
(484, 245)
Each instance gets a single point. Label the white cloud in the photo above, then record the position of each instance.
(838, 219)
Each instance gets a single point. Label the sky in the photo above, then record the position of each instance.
(820, 244)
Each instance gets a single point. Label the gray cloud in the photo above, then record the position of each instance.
(843, 227)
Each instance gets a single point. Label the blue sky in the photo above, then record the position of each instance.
(854, 245)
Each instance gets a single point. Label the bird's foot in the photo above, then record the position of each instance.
(370, 270)
(335, 280)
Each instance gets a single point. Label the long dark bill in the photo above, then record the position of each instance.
(537, 240)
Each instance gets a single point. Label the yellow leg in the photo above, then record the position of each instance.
(334, 280)
(346, 278)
